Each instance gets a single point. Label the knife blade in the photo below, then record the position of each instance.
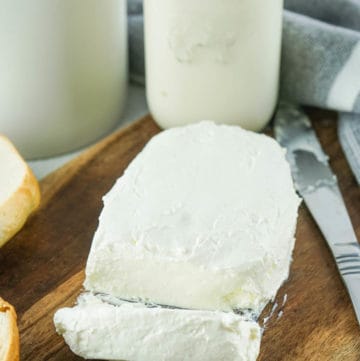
(316, 183)
(349, 136)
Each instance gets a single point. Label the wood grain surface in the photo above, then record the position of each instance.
(41, 269)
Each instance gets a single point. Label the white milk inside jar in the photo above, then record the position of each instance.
(63, 72)
(212, 59)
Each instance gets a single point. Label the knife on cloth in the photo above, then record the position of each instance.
(349, 136)
(317, 184)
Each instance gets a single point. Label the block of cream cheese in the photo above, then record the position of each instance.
(97, 330)
(203, 218)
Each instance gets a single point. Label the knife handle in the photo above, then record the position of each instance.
(347, 257)
(329, 211)
(352, 283)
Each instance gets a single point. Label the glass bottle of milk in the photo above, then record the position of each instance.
(212, 59)
(63, 72)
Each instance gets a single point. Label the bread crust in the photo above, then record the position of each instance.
(17, 208)
(13, 353)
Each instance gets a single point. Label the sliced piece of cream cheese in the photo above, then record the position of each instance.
(97, 330)
(203, 218)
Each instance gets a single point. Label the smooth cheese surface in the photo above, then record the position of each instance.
(97, 330)
(203, 218)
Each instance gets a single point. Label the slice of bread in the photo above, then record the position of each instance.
(19, 191)
(9, 333)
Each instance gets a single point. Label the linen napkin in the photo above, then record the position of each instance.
(320, 60)
(321, 63)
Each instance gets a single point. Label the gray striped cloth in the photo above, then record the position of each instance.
(320, 61)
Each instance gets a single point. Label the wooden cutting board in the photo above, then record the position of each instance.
(41, 269)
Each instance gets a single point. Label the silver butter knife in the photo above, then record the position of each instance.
(317, 184)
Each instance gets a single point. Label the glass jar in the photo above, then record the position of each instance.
(63, 71)
(212, 59)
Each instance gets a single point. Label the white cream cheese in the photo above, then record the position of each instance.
(203, 218)
(97, 330)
